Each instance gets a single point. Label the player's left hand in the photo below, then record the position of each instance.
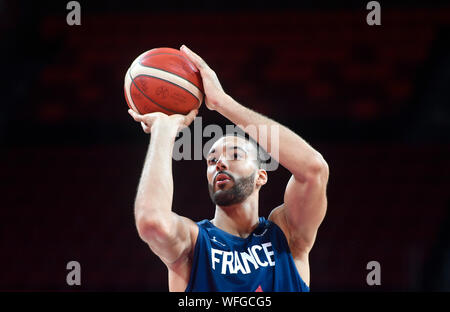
(148, 121)
(214, 93)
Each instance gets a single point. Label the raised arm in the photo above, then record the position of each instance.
(169, 235)
(305, 200)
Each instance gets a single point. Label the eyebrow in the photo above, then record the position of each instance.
(233, 147)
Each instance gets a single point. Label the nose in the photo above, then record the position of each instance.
(221, 164)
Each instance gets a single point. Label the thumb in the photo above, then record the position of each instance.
(190, 117)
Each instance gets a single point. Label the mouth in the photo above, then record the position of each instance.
(222, 179)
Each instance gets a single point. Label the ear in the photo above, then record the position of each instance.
(261, 178)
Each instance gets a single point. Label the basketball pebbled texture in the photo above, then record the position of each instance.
(163, 80)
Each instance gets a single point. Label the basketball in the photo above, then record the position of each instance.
(163, 80)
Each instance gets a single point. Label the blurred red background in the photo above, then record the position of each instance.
(373, 100)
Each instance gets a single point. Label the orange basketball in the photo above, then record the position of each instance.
(163, 80)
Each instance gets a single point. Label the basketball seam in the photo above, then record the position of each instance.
(130, 99)
(169, 71)
(147, 97)
(166, 53)
(168, 82)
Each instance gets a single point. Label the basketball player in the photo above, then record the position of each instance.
(237, 250)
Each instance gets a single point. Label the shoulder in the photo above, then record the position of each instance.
(204, 223)
(200, 228)
(203, 226)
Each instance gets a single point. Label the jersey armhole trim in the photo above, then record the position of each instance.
(194, 257)
(289, 249)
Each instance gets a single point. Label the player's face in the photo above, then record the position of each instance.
(231, 170)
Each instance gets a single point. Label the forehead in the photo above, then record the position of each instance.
(230, 141)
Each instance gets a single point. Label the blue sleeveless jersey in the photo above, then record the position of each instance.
(260, 262)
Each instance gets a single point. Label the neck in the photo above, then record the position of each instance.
(239, 219)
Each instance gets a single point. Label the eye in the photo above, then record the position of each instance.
(236, 156)
(212, 160)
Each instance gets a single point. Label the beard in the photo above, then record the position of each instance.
(240, 191)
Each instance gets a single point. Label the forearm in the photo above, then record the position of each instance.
(290, 150)
(155, 190)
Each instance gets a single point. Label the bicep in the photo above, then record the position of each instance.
(175, 240)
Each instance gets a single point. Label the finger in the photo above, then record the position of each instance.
(194, 58)
(145, 127)
(190, 117)
(136, 116)
(150, 118)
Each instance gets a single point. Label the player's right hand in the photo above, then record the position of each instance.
(214, 93)
(148, 121)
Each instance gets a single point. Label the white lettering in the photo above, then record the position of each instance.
(237, 264)
(197, 302)
(248, 257)
(233, 262)
(227, 263)
(268, 253)
(255, 254)
(213, 257)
